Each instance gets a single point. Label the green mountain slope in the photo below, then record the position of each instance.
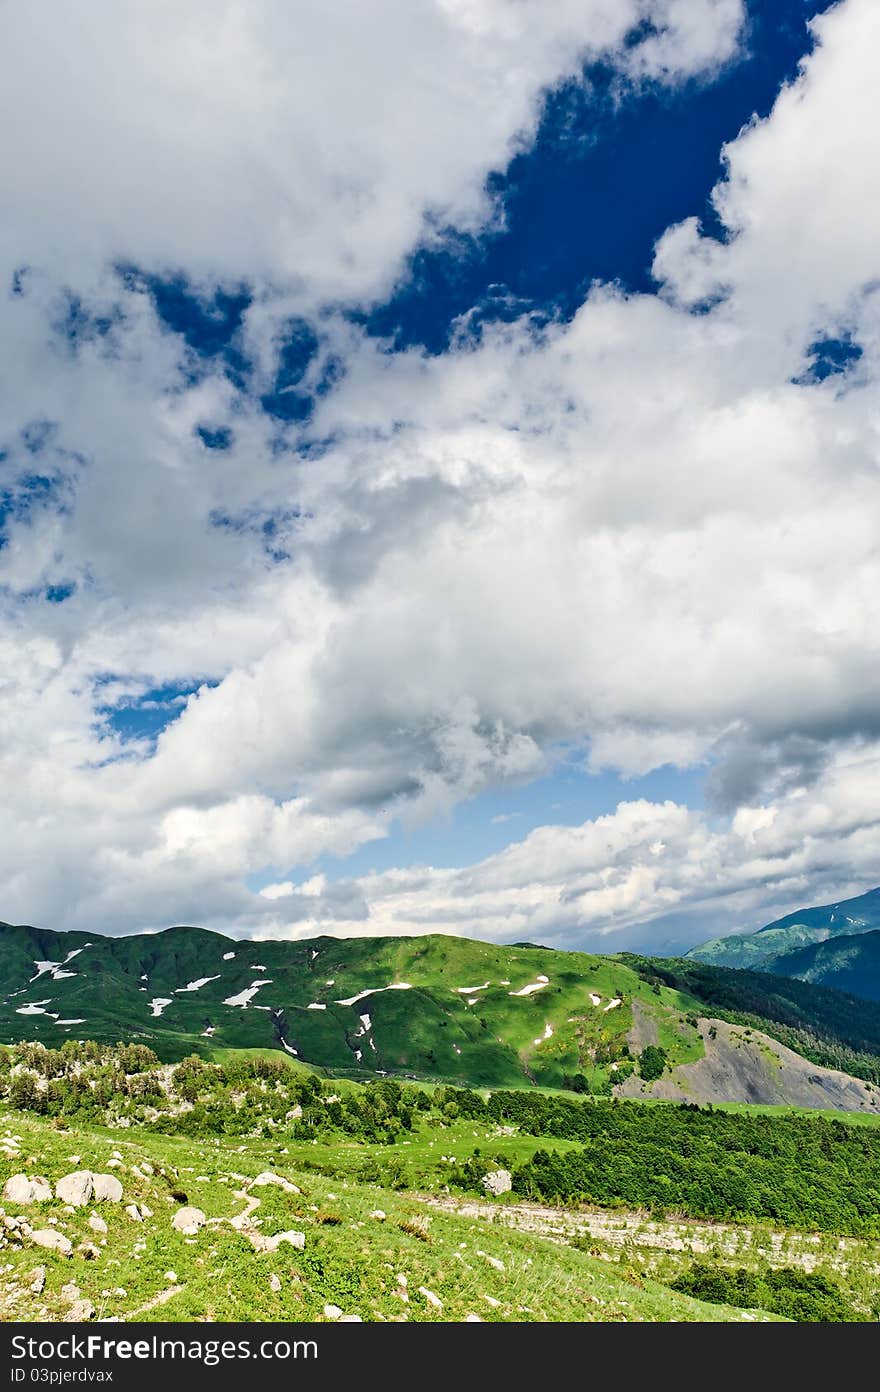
(847, 964)
(800, 929)
(442, 1008)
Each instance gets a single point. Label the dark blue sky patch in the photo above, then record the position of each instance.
(37, 434)
(144, 717)
(829, 357)
(57, 594)
(77, 324)
(27, 494)
(270, 529)
(603, 180)
(215, 437)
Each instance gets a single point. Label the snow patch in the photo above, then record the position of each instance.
(289, 1047)
(35, 1010)
(315, 1005)
(258, 966)
(158, 1004)
(195, 985)
(548, 1034)
(362, 995)
(209, 1031)
(469, 990)
(72, 1022)
(228, 956)
(54, 969)
(531, 988)
(612, 1005)
(244, 997)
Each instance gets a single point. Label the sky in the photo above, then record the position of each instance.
(439, 448)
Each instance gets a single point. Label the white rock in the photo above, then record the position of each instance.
(96, 1223)
(88, 1251)
(350, 1319)
(80, 1310)
(188, 1220)
(53, 1241)
(274, 1283)
(113, 1164)
(490, 1300)
(493, 1261)
(296, 1239)
(22, 1190)
(106, 1188)
(472, 1319)
(133, 1212)
(267, 1177)
(171, 1276)
(431, 1298)
(38, 1280)
(332, 1312)
(379, 1214)
(75, 1188)
(497, 1182)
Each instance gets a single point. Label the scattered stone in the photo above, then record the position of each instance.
(106, 1188)
(379, 1214)
(431, 1298)
(332, 1312)
(96, 1223)
(350, 1319)
(171, 1276)
(271, 1244)
(147, 1167)
(22, 1190)
(145, 1212)
(71, 1291)
(113, 1164)
(493, 1261)
(79, 1311)
(133, 1212)
(38, 1280)
(74, 1159)
(75, 1188)
(53, 1241)
(473, 1319)
(88, 1251)
(274, 1283)
(188, 1220)
(490, 1300)
(497, 1182)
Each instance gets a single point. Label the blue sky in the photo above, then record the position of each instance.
(464, 433)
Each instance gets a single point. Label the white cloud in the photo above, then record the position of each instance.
(632, 529)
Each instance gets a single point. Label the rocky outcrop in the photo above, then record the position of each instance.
(53, 1241)
(76, 1188)
(497, 1182)
(188, 1220)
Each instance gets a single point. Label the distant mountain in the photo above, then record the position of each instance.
(847, 964)
(760, 951)
(448, 1009)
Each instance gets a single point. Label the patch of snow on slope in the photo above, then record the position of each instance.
(597, 1000)
(314, 1005)
(209, 1031)
(228, 956)
(531, 988)
(195, 985)
(612, 1005)
(548, 1034)
(35, 1010)
(258, 966)
(362, 995)
(158, 1004)
(247, 995)
(54, 969)
(289, 1047)
(71, 1022)
(469, 990)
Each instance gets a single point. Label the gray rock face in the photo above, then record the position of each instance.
(106, 1188)
(53, 1241)
(21, 1189)
(188, 1220)
(75, 1188)
(497, 1182)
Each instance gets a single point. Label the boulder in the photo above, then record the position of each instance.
(22, 1190)
(497, 1182)
(271, 1244)
(274, 1283)
(188, 1220)
(332, 1312)
(88, 1251)
(133, 1212)
(75, 1188)
(79, 1311)
(106, 1188)
(53, 1241)
(379, 1214)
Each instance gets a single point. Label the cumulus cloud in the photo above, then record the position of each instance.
(648, 530)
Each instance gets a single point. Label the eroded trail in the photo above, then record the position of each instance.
(622, 1228)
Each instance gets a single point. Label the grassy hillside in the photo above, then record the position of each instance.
(437, 1008)
(380, 1189)
(803, 928)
